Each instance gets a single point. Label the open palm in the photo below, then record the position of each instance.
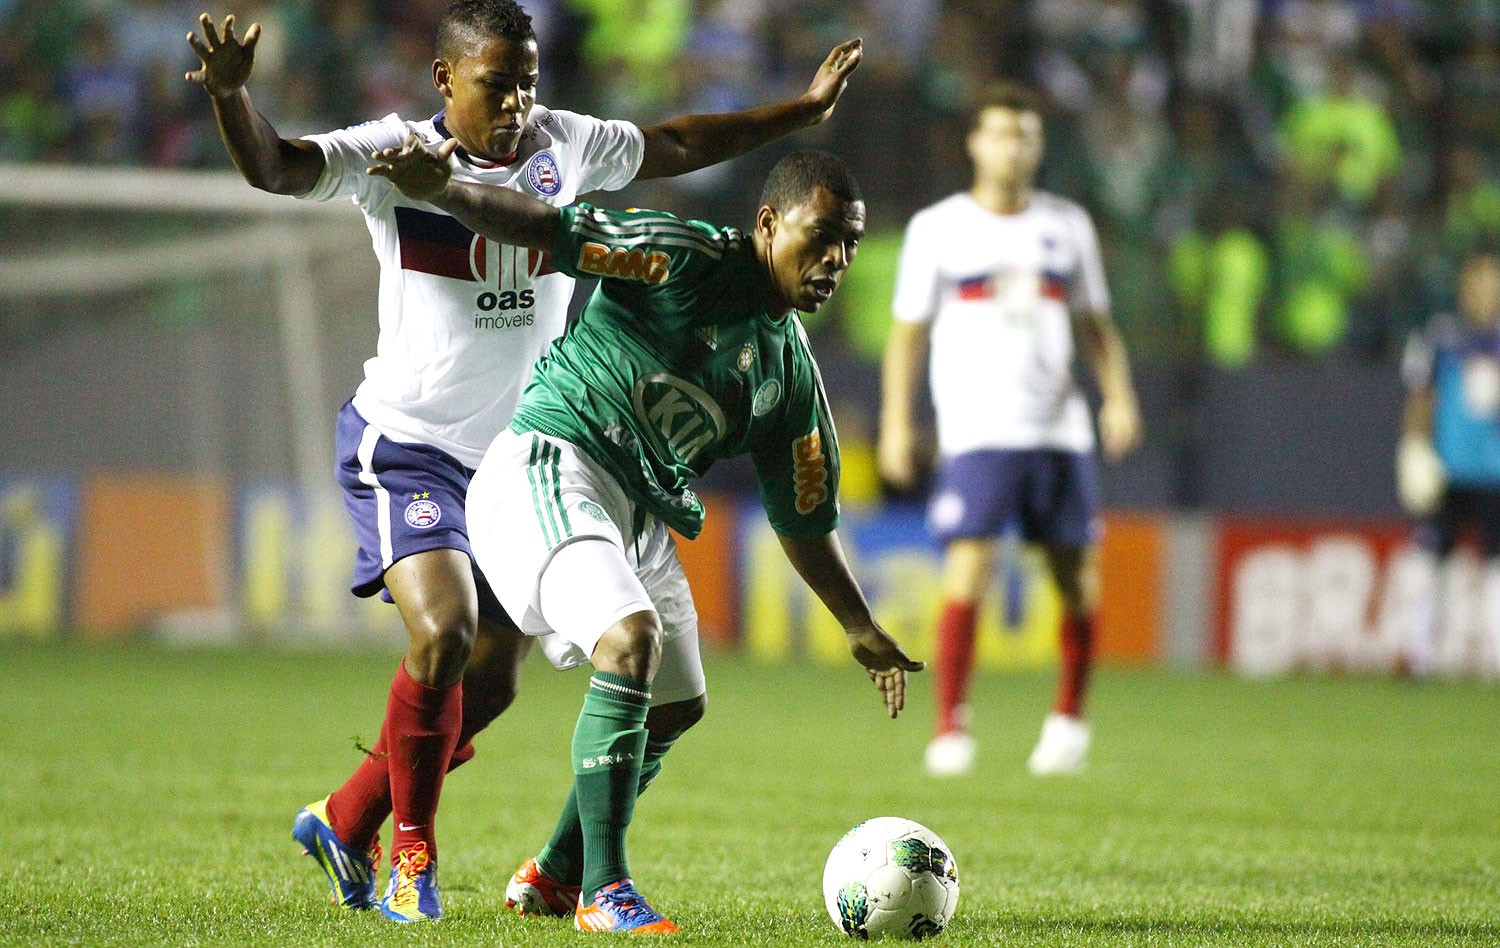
(227, 60)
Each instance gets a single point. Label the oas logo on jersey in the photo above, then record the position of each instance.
(542, 174)
(423, 514)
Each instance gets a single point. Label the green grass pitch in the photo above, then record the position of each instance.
(146, 797)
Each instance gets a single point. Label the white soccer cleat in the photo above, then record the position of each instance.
(1063, 747)
(951, 754)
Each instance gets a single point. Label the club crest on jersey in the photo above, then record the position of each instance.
(747, 356)
(766, 397)
(684, 417)
(423, 513)
(593, 510)
(542, 174)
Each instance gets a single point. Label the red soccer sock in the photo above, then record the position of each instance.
(357, 810)
(1077, 646)
(954, 663)
(422, 728)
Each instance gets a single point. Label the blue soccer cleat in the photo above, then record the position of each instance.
(412, 895)
(349, 871)
(618, 907)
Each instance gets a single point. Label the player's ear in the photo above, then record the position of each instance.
(766, 220)
(442, 77)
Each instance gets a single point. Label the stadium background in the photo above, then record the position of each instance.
(1282, 189)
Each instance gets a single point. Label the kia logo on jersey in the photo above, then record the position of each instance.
(686, 418)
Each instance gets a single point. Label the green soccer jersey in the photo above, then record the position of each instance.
(675, 364)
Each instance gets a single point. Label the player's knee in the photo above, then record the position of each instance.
(669, 721)
(447, 635)
(631, 647)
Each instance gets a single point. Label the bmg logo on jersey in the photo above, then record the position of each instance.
(810, 471)
(624, 264)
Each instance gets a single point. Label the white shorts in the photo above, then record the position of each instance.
(534, 495)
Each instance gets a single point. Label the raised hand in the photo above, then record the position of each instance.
(227, 61)
(417, 171)
(897, 456)
(885, 661)
(833, 75)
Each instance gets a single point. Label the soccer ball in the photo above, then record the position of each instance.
(890, 877)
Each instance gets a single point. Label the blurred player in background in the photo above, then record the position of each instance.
(462, 319)
(999, 281)
(689, 352)
(1448, 462)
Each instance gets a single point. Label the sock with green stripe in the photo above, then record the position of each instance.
(562, 858)
(609, 745)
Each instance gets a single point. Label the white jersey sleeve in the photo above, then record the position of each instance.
(1090, 291)
(609, 152)
(917, 274)
(346, 155)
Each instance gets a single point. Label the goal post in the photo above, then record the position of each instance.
(183, 323)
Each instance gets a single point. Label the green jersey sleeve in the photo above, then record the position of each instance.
(638, 253)
(797, 459)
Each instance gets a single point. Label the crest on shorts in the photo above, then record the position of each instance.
(423, 513)
(766, 397)
(747, 356)
(542, 174)
(593, 510)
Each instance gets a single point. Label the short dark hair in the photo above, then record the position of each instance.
(1005, 94)
(795, 177)
(466, 21)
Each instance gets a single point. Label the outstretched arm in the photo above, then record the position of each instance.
(426, 174)
(266, 160)
(1119, 414)
(691, 142)
(821, 564)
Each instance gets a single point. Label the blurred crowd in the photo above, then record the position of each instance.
(1287, 178)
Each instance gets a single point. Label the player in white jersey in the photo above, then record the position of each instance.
(461, 321)
(999, 282)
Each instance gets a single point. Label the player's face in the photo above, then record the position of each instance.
(489, 93)
(1006, 146)
(810, 247)
(1479, 290)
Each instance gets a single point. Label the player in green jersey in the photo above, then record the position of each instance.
(690, 351)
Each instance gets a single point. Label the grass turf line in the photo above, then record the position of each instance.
(147, 796)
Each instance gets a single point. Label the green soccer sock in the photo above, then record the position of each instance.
(562, 857)
(609, 746)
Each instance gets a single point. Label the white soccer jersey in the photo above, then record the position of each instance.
(1000, 291)
(462, 318)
